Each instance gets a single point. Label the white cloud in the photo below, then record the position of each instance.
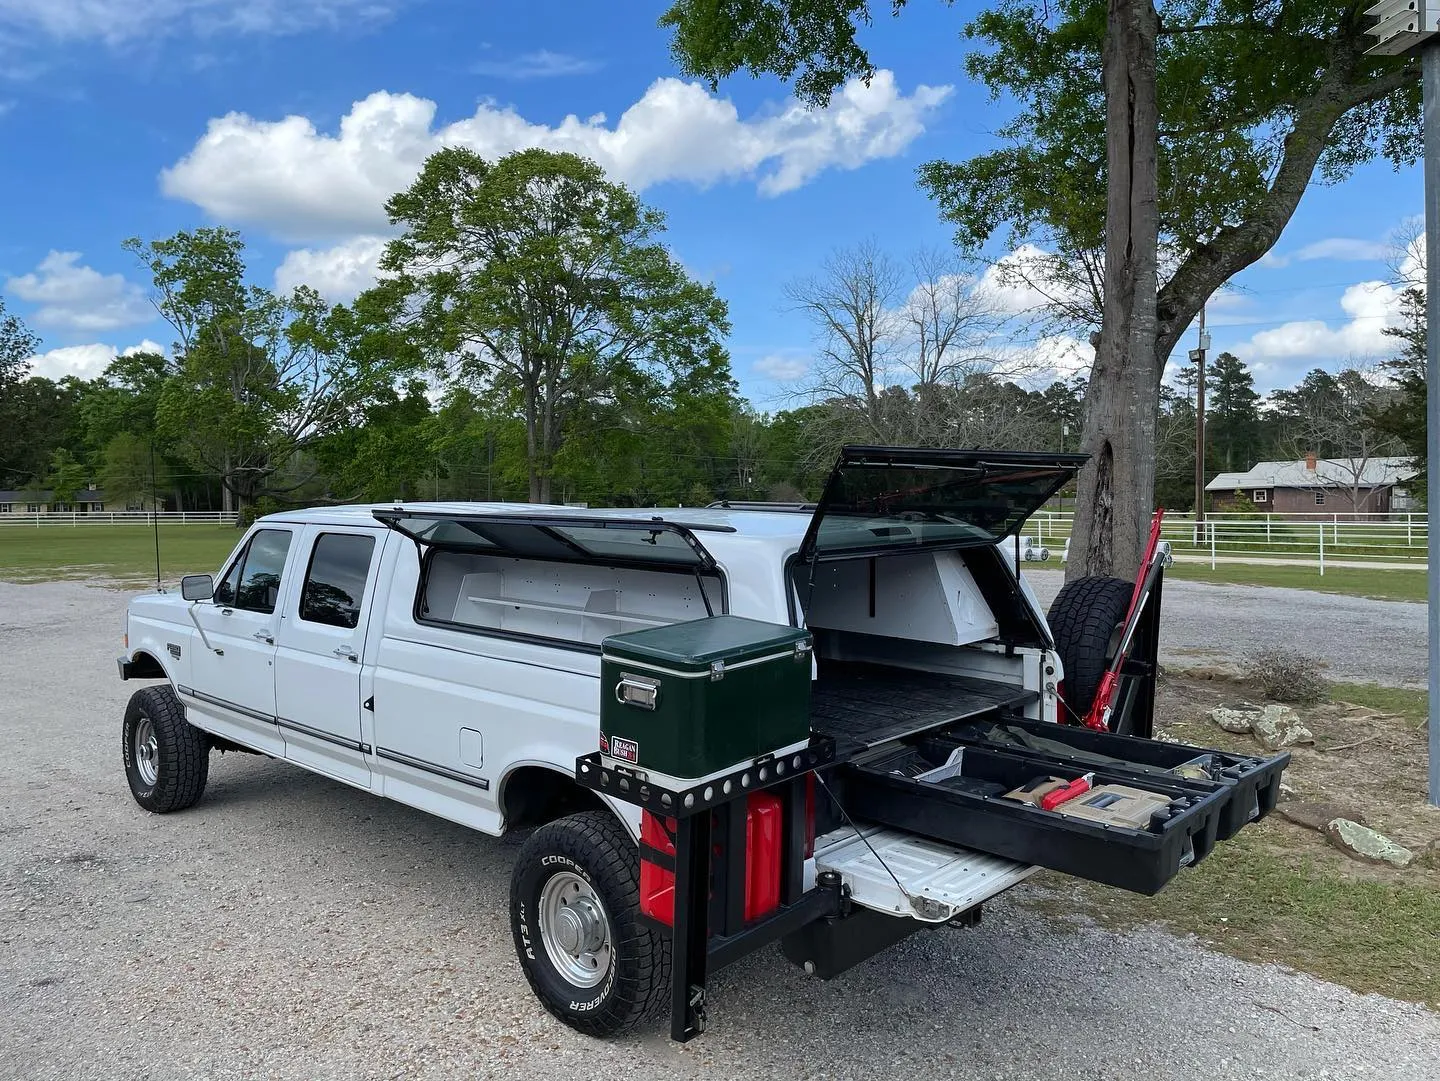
(84, 361)
(76, 298)
(1024, 282)
(287, 176)
(782, 367)
(1371, 307)
(1337, 248)
(339, 274)
(1040, 362)
(121, 22)
(542, 64)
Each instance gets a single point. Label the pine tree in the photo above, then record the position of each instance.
(1233, 414)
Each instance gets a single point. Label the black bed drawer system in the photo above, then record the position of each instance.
(1128, 812)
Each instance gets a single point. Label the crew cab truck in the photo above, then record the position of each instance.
(459, 658)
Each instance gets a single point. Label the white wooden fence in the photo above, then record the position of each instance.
(118, 517)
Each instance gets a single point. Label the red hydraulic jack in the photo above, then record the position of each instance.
(1142, 622)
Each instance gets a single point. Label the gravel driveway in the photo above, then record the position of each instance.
(289, 927)
(1359, 639)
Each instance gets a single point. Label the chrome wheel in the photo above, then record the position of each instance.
(147, 751)
(575, 929)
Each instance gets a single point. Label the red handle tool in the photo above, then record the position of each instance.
(1078, 787)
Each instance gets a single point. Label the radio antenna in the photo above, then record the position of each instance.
(155, 515)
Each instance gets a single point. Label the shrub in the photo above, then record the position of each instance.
(1287, 676)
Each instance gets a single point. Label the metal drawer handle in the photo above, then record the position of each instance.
(638, 691)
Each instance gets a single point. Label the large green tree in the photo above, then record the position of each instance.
(258, 377)
(543, 285)
(1256, 100)
(17, 345)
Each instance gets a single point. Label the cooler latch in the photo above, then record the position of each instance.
(717, 670)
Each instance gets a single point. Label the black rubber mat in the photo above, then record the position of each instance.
(870, 704)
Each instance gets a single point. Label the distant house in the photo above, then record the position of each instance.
(43, 501)
(1375, 486)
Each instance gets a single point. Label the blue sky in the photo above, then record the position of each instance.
(292, 120)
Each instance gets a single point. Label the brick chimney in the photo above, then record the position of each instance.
(1310, 461)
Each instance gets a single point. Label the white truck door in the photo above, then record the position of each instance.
(319, 648)
(233, 682)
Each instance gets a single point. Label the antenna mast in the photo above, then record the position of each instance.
(155, 516)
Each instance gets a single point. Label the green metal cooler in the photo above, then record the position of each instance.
(692, 700)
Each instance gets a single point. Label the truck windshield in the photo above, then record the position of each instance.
(879, 500)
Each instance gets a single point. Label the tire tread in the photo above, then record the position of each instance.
(598, 841)
(185, 750)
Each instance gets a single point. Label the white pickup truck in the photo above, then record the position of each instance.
(447, 655)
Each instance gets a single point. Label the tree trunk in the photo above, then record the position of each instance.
(1117, 486)
(227, 497)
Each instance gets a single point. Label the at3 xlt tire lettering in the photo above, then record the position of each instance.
(596, 847)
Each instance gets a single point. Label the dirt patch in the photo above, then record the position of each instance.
(1363, 758)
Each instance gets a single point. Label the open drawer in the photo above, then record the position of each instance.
(958, 795)
(1253, 782)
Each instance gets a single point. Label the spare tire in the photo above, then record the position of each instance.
(1086, 618)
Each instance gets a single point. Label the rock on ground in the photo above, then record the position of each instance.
(1365, 844)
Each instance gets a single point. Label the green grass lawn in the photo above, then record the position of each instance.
(1407, 702)
(1400, 584)
(125, 552)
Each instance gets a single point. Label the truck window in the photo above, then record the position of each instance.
(574, 605)
(253, 581)
(335, 580)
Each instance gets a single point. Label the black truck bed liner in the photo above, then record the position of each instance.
(870, 704)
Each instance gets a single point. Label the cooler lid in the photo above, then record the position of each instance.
(883, 500)
(699, 643)
(612, 539)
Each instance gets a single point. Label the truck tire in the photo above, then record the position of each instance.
(167, 759)
(575, 916)
(1085, 618)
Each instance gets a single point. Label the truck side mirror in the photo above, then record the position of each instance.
(197, 587)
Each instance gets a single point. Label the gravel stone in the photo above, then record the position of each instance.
(291, 928)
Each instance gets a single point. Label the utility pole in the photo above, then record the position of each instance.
(1407, 27)
(1197, 358)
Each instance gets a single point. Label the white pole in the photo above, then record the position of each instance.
(1212, 545)
(1322, 549)
(1430, 80)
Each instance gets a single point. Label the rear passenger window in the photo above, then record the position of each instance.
(335, 582)
(264, 562)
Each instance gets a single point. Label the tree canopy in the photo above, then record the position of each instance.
(538, 281)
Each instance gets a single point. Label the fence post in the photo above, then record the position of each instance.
(1267, 529)
(1212, 546)
(1322, 549)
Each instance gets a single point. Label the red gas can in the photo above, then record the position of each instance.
(763, 831)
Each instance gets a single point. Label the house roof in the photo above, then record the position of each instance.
(1328, 473)
(45, 495)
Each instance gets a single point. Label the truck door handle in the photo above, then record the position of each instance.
(346, 652)
(264, 636)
